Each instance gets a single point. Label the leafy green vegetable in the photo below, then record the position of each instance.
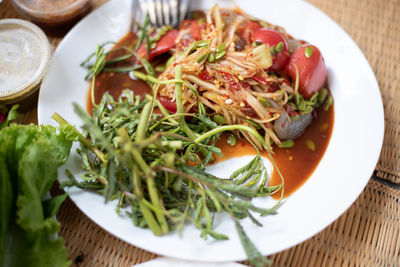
(155, 166)
(29, 159)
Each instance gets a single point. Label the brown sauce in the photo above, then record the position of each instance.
(296, 164)
(115, 82)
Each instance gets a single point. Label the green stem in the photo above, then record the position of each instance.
(179, 103)
(143, 122)
(151, 185)
(231, 128)
(147, 214)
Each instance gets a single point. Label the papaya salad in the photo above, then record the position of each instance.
(244, 72)
(165, 103)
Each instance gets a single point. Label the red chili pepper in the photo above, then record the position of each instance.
(204, 75)
(248, 110)
(273, 87)
(2, 117)
(246, 86)
(259, 79)
(233, 85)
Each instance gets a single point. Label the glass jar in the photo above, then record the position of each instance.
(52, 13)
(24, 58)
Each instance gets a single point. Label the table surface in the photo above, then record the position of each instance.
(367, 234)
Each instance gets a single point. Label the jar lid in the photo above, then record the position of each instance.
(24, 57)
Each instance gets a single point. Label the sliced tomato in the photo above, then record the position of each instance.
(311, 67)
(195, 30)
(167, 103)
(166, 43)
(248, 31)
(273, 38)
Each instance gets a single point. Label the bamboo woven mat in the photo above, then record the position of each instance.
(368, 233)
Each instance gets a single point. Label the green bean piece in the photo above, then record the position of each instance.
(308, 51)
(170, 61)
(220, 48)
(219, 119)
(160, 68)
(272, 50)
(264, 102)
(220, 54)
(202, 58)
(323, 93)
(231, 140)
(211, 58)
(314, 98)
(279, 47)
(203, 43)
(310, 144)
(328, 103)
(287, 144)
(254, 124)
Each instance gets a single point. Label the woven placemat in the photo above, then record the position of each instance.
(368, 233)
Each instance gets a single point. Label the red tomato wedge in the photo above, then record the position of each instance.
(167, 103)
(273, 38)
(311, 67)
(166, 43)
(248, 31)
(195, 32)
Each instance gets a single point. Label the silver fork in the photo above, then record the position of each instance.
(161, 12)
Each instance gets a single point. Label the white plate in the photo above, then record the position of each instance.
(340, 177)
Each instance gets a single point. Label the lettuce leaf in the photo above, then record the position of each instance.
(29, 160)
